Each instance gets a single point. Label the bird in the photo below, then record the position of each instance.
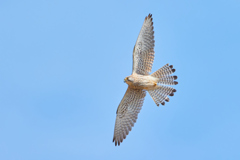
(141, 81)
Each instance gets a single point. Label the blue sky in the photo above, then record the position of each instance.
(62, 65)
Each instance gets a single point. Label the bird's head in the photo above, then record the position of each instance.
(128, 80)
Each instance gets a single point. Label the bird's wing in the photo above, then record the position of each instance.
(143, 52)
(127, 113)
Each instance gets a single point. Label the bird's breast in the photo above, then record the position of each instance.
(144, 82)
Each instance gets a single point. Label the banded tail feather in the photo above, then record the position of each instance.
(160, 95)
(164, 75)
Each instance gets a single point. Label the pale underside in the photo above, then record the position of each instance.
(131, 104)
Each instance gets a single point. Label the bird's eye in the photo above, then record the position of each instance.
(130, 79)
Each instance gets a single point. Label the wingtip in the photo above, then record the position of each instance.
(149, 16)
(117, 143)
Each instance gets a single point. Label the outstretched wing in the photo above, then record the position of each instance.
(143, 52)
(127, 113)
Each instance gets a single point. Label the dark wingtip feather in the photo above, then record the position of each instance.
(173, 70)
(175, 77)
(174, 90)
(175, 82)
(149, 16)
(171, 66)
(163, 103)
(172, 94)
(157, 104)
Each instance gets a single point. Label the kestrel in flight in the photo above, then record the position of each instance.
(141, 81)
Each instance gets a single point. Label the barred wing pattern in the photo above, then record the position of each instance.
(143, 52)
(127, 113)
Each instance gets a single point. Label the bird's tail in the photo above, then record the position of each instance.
(160, 94)
(164, 75)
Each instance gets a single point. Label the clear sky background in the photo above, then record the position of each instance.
(62, 65)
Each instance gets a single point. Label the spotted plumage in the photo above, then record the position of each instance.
(141, 81)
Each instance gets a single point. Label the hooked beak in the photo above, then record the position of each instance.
(125, 80)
